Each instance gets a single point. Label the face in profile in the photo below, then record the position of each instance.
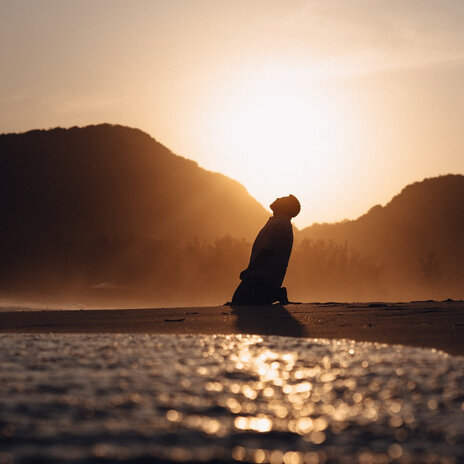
(288, 206)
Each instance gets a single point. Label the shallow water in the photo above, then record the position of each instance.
(133, 398)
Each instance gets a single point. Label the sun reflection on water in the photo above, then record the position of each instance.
(248, 398)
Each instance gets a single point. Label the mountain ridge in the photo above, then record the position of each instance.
(419, 231)
(76, 157)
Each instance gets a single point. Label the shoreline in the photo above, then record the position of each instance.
(428, 324)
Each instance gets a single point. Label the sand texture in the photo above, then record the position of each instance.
(424, 324)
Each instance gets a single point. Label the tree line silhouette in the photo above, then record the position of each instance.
(147, 271)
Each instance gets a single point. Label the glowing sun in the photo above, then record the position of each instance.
(280, 136)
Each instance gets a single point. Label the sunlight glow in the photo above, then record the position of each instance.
(279, 134)
(341, 103)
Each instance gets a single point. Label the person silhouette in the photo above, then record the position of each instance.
(261, 281)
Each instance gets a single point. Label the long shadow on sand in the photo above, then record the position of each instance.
(267, 320)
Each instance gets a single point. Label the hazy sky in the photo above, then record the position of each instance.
(342, 103)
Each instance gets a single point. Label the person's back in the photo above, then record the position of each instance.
(262, 280)
(275, 236)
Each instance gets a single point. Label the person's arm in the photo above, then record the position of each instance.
(262, 257)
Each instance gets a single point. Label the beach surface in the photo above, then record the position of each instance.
(300, 384)
(428, 324)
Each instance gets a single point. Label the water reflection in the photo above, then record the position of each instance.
(100, 398)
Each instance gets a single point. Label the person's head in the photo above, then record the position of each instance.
(288, 206)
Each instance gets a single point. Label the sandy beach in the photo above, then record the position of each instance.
(429, 324)
(294, 384)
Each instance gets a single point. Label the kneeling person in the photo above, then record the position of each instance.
(262, 279)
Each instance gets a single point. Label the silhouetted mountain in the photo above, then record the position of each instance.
(114, 180)
(107, 202)
(417, 238)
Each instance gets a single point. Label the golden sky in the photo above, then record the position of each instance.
(341, 103)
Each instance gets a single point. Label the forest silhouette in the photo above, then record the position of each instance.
(107, 215)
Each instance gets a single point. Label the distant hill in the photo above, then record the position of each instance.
(115, 180)
(417, 237)
(89, 204)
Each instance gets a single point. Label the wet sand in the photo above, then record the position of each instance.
(428, 324)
